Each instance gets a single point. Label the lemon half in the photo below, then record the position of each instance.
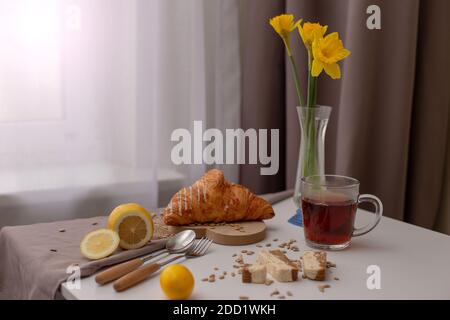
(99, 244)
(133, 224)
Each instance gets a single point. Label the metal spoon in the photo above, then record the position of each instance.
(178, 243)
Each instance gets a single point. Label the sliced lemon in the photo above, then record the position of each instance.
(133, 224)
(99, 244)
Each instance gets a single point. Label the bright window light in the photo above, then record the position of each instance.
(30, 60)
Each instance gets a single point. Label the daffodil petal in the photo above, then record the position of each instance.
(296, 25)
(317, 68)
(311, 31)
(333, 36)
(333, 70)
(345, 53)
(275, 25)
(301, 32)
(284, 25)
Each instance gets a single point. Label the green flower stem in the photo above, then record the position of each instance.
(310, 163)
(297, 81)
(312, 84)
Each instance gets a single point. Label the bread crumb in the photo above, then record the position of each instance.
(233, 274)
(62, 230)
(268, 245)
(336, 278)
(244, 297)
(289, 294)
(221, 277)
(331, 264)
(268, 282)
(274, 293)
(243, 251)
(276, 239)
(322, 287)
(215, 269)
(298, 264)
(205, 279)
(281, 297)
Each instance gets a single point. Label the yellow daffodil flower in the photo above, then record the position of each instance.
(327, 52)
(309, 31)
(283, 25)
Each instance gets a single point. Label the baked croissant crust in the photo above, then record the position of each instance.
(214, 199)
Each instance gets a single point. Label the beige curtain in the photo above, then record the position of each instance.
(263, 86)
(390, 110)
(443, 219)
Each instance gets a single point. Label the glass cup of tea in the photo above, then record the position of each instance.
(329, 204)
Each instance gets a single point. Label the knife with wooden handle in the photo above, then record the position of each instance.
(140, 274)
(118, 271)
(124, 268)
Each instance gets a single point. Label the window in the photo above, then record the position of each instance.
(91, 90)
(30, 61)
(71, 106)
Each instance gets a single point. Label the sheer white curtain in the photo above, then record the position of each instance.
(76, 119)
(90, 91)
(198, 72)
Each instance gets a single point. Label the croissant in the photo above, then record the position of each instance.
(214, 199)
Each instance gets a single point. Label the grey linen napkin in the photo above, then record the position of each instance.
(34, 258)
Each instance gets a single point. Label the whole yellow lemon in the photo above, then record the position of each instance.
(177, 282)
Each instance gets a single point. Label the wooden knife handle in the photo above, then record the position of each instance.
(135, 277)
(118, 271)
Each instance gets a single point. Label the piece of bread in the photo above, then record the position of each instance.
(314, 265)
(278, 265)
(256, 273)
(213, 199)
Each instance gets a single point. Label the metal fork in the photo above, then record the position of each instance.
(139, 275)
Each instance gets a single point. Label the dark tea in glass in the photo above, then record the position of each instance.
(329, 204)
(328, 222)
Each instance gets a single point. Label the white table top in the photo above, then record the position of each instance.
(414, 264)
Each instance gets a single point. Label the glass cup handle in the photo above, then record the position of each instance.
(378, 213)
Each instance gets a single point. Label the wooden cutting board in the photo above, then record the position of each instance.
(230, 234)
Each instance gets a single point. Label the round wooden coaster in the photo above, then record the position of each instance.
(230, 234)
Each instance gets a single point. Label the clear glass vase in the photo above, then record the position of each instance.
(311, 159)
